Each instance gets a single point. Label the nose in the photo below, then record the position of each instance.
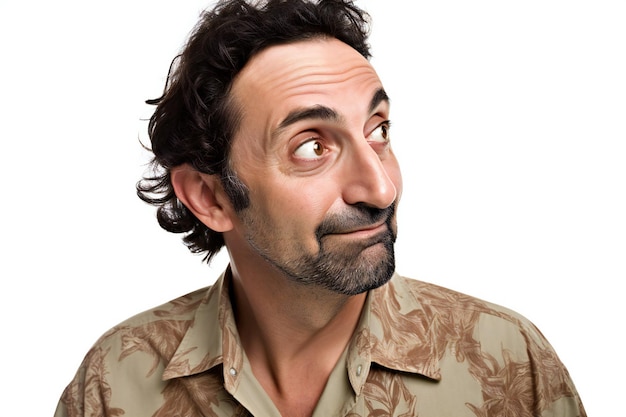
(366, 178)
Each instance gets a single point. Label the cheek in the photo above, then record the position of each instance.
(291, 217)
(306, 195)
(303, 208)
(312, 202)
(298, 205)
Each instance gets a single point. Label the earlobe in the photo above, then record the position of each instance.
(202, 194)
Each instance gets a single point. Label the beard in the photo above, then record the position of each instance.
(343, 267)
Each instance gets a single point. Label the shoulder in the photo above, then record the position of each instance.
(180, 310)
(130, 358)
(487, 320)
(154, 333)
(446, 300)
(495, 350)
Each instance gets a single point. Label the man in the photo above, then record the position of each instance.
(272, 139)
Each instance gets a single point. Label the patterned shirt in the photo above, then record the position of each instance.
(418, 350)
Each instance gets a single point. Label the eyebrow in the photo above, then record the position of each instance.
(316, 112)
(379, 96)
(321, 112)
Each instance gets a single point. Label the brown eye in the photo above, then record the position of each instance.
(384, 130)
(380, 134)
(318, 148)
(311, 149)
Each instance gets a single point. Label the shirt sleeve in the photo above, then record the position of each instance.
(88, 394)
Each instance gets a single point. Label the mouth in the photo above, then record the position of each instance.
(366, 236)
(366, 231)
(354, 242)
(360, 224)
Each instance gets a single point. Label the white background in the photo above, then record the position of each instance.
(509, 120)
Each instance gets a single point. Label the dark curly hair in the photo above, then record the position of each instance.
(195, 118)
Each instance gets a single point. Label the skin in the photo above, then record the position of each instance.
(313, 149)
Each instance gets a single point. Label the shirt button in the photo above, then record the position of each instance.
(358, 370)
(233, 371)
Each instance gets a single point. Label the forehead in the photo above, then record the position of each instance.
(303, 62)
(321, 71)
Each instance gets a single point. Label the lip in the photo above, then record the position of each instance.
(366, 231)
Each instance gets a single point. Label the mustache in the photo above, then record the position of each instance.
(358, 216)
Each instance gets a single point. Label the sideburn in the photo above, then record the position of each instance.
(235, 189)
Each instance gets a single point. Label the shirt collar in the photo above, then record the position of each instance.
(392, 333)
(209, 342)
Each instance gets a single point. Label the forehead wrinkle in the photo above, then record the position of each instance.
(305, 79)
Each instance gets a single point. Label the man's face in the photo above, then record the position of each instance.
(313, 149)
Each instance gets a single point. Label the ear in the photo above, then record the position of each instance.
(203, 195)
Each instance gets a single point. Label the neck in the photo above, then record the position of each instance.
(285, 318)
(286, 326)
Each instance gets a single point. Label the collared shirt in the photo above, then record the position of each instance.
(418, 350)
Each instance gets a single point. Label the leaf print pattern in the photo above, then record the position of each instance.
(405, 341)
(386, 395)
(181, 306)
(507, 390)
(199, 395)
(88, 396)
(521, 388)
(424, 351)
(553, 380)
(158, 340)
